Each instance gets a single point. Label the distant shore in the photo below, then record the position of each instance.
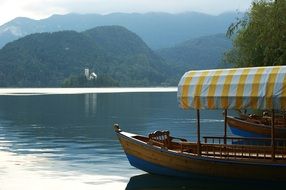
(46, 91)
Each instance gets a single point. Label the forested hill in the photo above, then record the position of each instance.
(202, 53)
(115, 54)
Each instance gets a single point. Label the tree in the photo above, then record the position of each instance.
(259, 38)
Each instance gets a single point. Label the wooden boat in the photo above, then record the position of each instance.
(216, 157)
(182, 158)
(254, 127)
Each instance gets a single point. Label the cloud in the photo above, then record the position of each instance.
(36, 9)
(43, 8)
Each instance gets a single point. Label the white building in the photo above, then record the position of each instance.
(91, 76)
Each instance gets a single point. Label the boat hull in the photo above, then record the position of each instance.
(243, 128)
(153, 168)
(156, 160)
(244, 133)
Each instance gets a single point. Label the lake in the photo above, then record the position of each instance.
(66, 140)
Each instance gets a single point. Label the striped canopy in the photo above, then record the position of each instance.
(239, 88)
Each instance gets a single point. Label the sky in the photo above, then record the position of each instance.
(39, 9)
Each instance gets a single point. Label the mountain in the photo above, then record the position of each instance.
(158, 30)
(48, 59)
(201, 53)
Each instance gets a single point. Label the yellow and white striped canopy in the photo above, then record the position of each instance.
(239, 88)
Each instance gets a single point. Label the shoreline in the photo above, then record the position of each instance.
(50, 91)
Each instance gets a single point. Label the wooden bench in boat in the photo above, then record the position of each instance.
(164, 140)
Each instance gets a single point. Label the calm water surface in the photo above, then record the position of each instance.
(68, 142)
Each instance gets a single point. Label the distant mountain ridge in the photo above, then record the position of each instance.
(47, 59)
(158, 30)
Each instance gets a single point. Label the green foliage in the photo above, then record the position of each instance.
(259, 38)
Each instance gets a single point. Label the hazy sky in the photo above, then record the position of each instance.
(37, 9)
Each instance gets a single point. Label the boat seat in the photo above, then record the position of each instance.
(160, 138)
(163, 139)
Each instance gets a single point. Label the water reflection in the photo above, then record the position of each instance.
(90, 104)
(157, 182)
(74, 132)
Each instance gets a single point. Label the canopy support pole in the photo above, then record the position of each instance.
(273, 135)
(198, 133)
(225, 126)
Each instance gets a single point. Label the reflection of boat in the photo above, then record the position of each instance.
(160, 153)
(159, 182)
(248, 127)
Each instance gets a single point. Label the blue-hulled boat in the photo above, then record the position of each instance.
(216, 157)
(254, 128)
